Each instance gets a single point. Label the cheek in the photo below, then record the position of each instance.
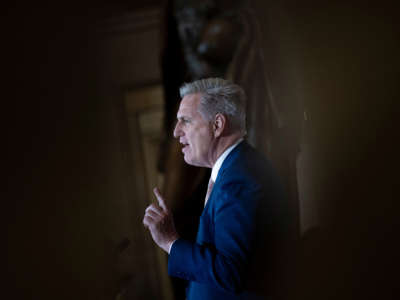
(200, 139)
(204, 141)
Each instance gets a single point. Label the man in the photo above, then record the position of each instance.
(243, 207)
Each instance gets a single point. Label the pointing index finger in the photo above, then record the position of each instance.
(160, 199)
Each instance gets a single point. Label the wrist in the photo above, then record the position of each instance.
(169, 245)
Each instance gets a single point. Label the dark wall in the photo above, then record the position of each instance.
(339, 62)
(58, 159)
(72, 217)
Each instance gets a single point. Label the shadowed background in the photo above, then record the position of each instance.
(85, 88)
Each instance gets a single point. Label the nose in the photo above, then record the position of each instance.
(177, 130)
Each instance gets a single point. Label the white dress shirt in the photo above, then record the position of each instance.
(220, 160)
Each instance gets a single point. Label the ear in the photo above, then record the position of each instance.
(219, 124)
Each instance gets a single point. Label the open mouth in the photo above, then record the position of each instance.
(185, 146)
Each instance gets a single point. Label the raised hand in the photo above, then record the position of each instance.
(158, 219)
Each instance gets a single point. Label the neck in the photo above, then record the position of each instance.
(223, 143)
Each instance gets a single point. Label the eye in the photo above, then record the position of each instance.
(184, 120)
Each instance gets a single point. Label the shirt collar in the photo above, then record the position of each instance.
(220, 160)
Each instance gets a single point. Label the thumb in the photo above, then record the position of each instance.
(160, 199)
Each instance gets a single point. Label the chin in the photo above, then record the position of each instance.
(194, 163)
(190, 161)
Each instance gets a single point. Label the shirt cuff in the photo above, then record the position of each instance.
(170, 246)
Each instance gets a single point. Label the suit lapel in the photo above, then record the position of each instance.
(232, 156)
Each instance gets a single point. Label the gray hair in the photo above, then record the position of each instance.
(219, 96)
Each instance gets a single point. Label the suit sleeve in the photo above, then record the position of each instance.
(221, 263)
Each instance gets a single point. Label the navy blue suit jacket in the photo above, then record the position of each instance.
(244, 206)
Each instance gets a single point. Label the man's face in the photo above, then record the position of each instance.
(194, 132)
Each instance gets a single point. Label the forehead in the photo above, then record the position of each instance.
(189, 105)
